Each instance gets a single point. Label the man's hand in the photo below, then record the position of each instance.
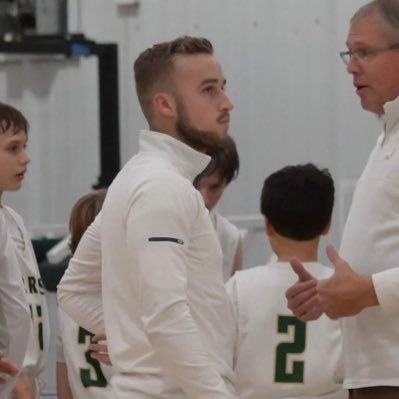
(345, 293)
(7, 367)
(302, 296)
(100, 351)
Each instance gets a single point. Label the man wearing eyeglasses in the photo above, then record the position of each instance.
(365, 285)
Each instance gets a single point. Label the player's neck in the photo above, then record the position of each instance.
(300, 257)
(305, 251)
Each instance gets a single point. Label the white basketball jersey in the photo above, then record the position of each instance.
(277, 355)
(36, 355)
(88, 379)
(229, 237)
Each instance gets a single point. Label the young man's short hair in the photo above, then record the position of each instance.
(298, 201)
(153, 68)
(12, 120)
(225, 161)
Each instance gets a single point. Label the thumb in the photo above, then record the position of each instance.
(335, 259)
(299, 269)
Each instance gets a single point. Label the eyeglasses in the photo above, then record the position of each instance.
(364, 55)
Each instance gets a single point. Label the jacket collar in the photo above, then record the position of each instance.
(189, 162)
(391, 115)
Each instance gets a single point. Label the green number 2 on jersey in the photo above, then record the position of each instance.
(87, 374)
(281, 373)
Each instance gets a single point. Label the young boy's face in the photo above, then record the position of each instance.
(211, 187)
(14, 159)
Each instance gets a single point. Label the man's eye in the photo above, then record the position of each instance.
(210, 90)
(13, 148)
(363, 53)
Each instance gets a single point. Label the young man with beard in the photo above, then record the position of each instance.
(165, 307)
(370, 241)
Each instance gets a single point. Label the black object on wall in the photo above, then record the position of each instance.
(51, 274)
(78, 46)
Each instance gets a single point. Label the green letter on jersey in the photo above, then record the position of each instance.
(285, 348)
(87, 381)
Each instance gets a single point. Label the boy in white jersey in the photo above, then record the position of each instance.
(278, 356)
(79, 375)
(211, 183)
(14, 162)
(14, 312)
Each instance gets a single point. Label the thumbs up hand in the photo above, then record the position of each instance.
(302, 297)
(345, 293)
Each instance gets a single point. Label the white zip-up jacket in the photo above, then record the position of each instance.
(167, 316)
(370, 244)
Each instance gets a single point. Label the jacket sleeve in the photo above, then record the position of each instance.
(231, 288)
(386, 285)
(158, 239)
(79, 291)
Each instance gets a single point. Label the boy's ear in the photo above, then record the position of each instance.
(326, 229)
(164, 104)
(269, 227)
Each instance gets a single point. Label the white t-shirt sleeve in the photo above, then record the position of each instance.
(386, 285)
(162, 278)
(79, 292)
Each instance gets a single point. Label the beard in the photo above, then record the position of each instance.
(200, 140)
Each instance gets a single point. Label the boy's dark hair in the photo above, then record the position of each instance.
(225, 160)
(12, 119)
(298, 201)
(154, 66)
(83, 213)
